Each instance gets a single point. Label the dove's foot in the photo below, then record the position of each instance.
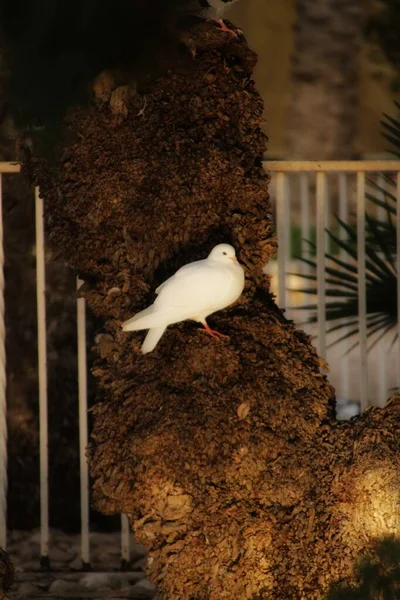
(213, 332)
(222, 26)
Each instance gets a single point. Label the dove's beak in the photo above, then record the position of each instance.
(234, 259)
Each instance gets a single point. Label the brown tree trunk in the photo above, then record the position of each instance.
(225, 455)
(6, 574)
(324, 108)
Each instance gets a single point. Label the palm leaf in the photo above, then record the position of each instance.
(341, 274)
(342, 286)
(336, 272)
(392, 125)
(382, 203)
(328, 280)
(375, 232)
(372, 320)
(376, 264)
(328, 292)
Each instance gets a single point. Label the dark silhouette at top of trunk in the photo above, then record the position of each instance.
(52, 51)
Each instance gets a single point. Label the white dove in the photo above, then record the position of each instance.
(215, 9)
(195, 291)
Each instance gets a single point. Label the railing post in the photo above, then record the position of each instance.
(281, 235)
(398, 271)
(42, 360)
(321, 220)
(3, 402)
(305, 229)
(125, 541)
(362, 291)
(381, 349)
(343, 215)
(83, 425)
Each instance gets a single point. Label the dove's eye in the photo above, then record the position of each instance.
(224, 253)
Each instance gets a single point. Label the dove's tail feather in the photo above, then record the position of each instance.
(135, 322)
(152, 338)
(149, 318)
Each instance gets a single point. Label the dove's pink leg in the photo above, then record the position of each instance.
(213, 332)
(224, 27)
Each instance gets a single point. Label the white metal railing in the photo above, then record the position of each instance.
(282, 192)
(83, 423)
(42, 376)
(281, 171)
(3, 408)
(4, 168)
(43, 400)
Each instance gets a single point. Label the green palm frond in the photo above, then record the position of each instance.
(385, 234)
(341, 271)
(383, 194)
(391, 131)
(342, 284)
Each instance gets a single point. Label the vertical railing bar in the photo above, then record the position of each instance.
(280, 230)
(288, 237)
(288, 224)
(381, 350)
(381, 212)
(343, 216)
(83, 425)
(42, 368)
(125, 540)
(3, 400)
(327, 219)
(343, 206)
(362, 291)
(305, 228)
(321, 209)
(398, 271)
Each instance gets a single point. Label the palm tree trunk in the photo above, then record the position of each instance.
(324, 108)
(6, 574)
(224, 454)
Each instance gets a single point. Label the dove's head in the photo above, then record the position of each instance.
(223, 253)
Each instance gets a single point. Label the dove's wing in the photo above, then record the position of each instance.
(179, 272)
(157, 314)
(195, 290)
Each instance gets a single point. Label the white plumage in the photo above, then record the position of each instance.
(195, 291)
(217, 8)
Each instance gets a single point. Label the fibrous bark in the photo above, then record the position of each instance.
(225, 455)
(6, 574)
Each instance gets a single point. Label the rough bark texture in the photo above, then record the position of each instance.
(6, 574)
(225, 455)
(324, 108)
